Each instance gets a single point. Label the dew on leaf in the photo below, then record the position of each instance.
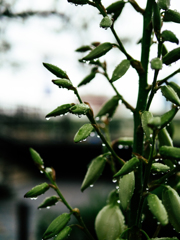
(91, 185)
(47, 118)
(114, 180)
(34, 198)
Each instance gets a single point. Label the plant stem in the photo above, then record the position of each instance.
(93, 122)
(152, 90)
(78, 216)
(140, 106)
(160, 82)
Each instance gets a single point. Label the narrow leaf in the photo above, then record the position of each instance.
(169, 93)
(61, 110)
(157, 209)
(55, 70)
(120, 70)
(48, 202)
(159, 167)
(99, 51)
(37, 190)
(109, 107)
(64, 233)
(57, 225)
(36, 157)
(126, 189)
(170, 152)
(171, 201)
(83, 132)
(94, 171)
(128, 167)
(87, 79)
(145, 118)
(169, 36)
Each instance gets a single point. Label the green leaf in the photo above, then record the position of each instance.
(83, 49)
(164, 4)
(36, 157)
(169, 93)
(145, 118)
(125, 141)
(94, 171)
(154, 123)
(78, 2)
(115, 9)
(61, 110)
(37, 190)
(167, 117)
(126, 189)
(83, 132)
(106, 22)
(157, 209)
(156, 63)
(49, 201)
(109, 223)
(171, 201)
(87, 79)
(63, 83)
(56, 225)
(80, 109)
(169, 36)
(156, 18)
(56, 71)
(171, 16)
(128, 167)
(99, 51)
(120, 70)
(159, 167)
(170, 152)
(164, 138)
(109, 108)
(175, 86)
(172, 56)
(64, 233)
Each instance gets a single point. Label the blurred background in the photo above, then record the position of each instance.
(32, 32)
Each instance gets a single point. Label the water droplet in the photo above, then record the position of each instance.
(33, 198)
(118, 201)
(92, 134)
(79, 116)
(120, 146)
(114, 180)
(98, 136)
(91, 185)
(131, 113)
(103, 144)
(48, 207)
(97, 118)
(41, 171)
(117, 187)
(150, 135)
(47, 118)
(84, 140)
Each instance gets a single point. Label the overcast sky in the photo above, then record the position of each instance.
(25, 82)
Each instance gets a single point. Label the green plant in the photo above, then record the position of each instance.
(147, 184)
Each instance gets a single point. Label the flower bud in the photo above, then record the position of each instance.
(37, 190)
(36, 157)
(63, 83)
(49, 201)
(156, 63)
(106, 22)
(109, 223)
(79, 109)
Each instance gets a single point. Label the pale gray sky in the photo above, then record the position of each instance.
(37, 39)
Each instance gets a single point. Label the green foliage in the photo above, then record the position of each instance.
(149, 178)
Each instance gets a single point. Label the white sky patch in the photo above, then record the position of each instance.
(50, 40)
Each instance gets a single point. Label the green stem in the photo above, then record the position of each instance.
(152, 90)
(140, 106)
(93, 122)
(78, 216)
(160, 82)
